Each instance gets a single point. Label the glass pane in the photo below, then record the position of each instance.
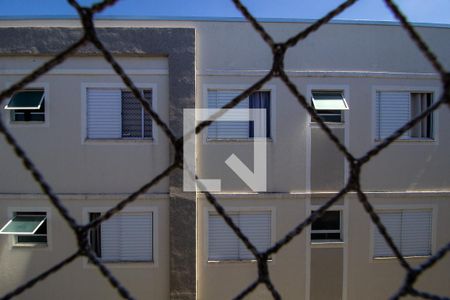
(327, 95)
(32, 239)
(329, 101)
(147, 118)
(334, 116)
(326, 236)
(37, 115)
(131, 116)
(329, 221)
(26, 100)
(17, 116)
(95, 235)
(23, 224)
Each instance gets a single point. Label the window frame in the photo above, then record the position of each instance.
(340, 230)
(345, 90)
(240, 88)
(122, 140)
(155, 242)
(435, 91)
(398, 208)
(15, 244)
(7, 113)
(207, 213)
(321, 114)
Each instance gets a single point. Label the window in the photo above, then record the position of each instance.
(27, 106)
(27, 228)
(223, 244)
(410, 231)
(394, 109)
(329, 105)
(125, 237)
(238, 129)
(117, 114)
(327, 228)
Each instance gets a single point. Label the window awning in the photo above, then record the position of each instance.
(23, 225)
(27, 100)
(329, 101)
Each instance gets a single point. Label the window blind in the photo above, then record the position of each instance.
(393, 110)
(127, 237)
(227, 129)
(410, 231)
(104, 119)
(223, 244)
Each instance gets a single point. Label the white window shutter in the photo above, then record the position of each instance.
(393, 110)
(127, 237)
(110, 241)
(416, 233)
(392, 222)
(222, 241)
(104, 119)
(227, 129)
(136, 237)
(224, 244)
(257, 227)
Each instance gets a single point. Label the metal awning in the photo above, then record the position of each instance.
(329, 101)
(23, 225)
(26, 100)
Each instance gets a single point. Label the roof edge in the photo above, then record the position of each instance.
(220, 19)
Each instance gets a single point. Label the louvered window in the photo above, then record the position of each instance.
(410, 230)
(239, 129)
(117, 114)
(223, 244)
(125, 237)
(394, 109)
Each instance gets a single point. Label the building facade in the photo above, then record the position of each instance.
(95, 146)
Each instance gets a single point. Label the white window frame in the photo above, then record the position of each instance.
(32, 86)
(397, 208)
(345, 89)
(128, 264)
(208, 211)
(435, 91)
(84, 88)
(240, 88)
(343, 229)
(340, 230)
(14, 244)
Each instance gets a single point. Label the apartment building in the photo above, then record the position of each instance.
(95, 145)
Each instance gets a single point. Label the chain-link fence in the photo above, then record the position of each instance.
(86, 15)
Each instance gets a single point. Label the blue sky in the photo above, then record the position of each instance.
(421, 11)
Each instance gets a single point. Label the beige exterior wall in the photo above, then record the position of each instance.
(69, 161)
(365, 58)
(226, 279)
(370, 278)
(326, 273)
(80, 280)
(327, 162)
